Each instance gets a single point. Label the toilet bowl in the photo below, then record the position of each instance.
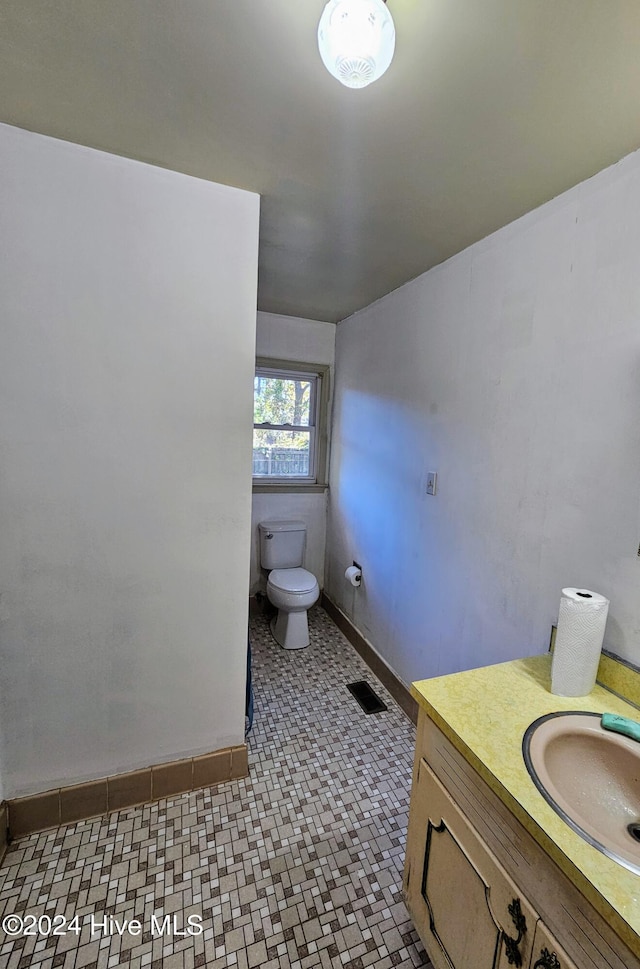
(292, 592)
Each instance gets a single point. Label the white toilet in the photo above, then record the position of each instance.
(290, 588)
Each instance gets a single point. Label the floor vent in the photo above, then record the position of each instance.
(368, 700)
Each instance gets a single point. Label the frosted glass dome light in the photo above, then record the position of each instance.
(356, 39)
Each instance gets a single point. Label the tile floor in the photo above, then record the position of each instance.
(299, 865)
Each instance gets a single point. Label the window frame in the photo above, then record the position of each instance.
(318, 374)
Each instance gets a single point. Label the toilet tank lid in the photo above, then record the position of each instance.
(287, 526)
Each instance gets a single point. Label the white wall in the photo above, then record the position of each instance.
(305, 341)
(294, 338)
(128, 303)
(513, 370)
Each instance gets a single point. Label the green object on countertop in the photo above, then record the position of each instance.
(630, 728)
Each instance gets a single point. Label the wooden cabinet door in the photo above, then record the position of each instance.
(547, 954)
(467, 911)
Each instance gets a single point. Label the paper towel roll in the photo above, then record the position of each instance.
(576, 653)
(353, 575)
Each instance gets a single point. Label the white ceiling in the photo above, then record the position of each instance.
(489, 108)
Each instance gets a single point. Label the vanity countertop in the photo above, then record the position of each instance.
(484, 713)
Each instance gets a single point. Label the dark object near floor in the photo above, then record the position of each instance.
(248, 710)
(368, 700)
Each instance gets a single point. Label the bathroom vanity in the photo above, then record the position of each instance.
(493, 876)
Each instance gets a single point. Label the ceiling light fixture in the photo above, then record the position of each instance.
(356, 39)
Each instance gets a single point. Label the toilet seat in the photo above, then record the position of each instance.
(293, 581)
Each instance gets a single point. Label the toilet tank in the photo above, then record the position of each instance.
(282, 544)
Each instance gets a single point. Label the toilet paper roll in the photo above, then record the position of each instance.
(576, 653)
(353, 575)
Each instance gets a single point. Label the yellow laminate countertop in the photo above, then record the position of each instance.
(484, 713)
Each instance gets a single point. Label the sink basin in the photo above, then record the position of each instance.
(591, 778)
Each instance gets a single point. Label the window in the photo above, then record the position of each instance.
(287, 446)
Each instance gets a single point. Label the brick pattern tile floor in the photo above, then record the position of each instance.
(297, 866)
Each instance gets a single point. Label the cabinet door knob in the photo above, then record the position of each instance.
(514, 958)
(547, 960)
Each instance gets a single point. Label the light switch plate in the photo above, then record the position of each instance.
(432, 482)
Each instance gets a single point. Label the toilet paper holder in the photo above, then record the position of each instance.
(353, 574)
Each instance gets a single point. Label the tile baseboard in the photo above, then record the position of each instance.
(389, 679)
(37, 812)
